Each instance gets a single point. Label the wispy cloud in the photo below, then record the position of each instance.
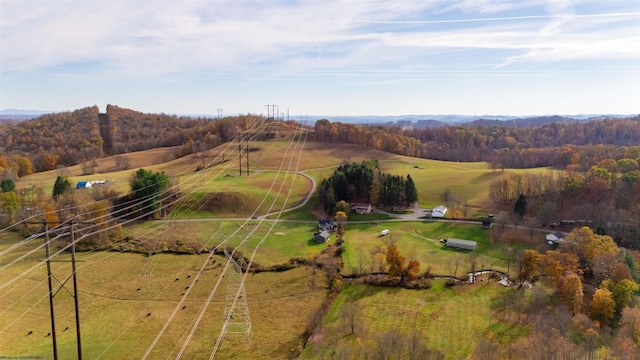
(264, 40)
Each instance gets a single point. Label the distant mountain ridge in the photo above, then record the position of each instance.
(425, 121)
(416, 121)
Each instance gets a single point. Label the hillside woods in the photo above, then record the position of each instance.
(71, 138)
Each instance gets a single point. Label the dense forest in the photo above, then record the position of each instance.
(556, 144)
(70, 138)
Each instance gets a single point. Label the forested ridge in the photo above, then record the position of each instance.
(555, 144)
(74, 137)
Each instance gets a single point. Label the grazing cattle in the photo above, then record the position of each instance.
(149, 314)
(177, 279)
(30, 332)
(49, 334)
(184, 307)
(67, 328)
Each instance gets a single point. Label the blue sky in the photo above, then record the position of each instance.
(329, 57)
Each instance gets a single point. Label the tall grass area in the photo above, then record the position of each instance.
(125, 299)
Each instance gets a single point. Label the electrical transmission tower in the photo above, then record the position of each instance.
(236, 313)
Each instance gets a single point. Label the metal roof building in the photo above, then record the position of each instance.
(461, 244)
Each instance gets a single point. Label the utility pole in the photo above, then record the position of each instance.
(240, 151)
(271, 111)
(45, 226)
(247, 154)
(219, 113)
(75, 288)
(52, 294)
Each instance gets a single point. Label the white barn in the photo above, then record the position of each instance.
(439, 211)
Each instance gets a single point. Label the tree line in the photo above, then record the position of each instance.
(553, 144)
(606, 197)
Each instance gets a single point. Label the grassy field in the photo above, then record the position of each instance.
(114, 312)
(448, 320)
(421, 241)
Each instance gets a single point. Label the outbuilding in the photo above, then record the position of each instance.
(461, 244)
(83, 185)
(439, 211)
(554, 238)
(321, 237)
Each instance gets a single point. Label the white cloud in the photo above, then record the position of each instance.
(387, 40)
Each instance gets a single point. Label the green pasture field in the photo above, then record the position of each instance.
(279, 242)
(113, 312)
(450, 320)
(262, 192)
(421, 241)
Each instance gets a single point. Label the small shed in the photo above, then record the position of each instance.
(555, 238)
(439, 211)
(461, 244)
(83, 185)
(321, 237)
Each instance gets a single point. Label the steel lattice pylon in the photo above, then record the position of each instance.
(236, 312)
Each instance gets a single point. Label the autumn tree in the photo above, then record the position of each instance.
(11, 202)
(528, 265)
(341, 220)
(397, 265)
(571, 293)
(621, 293)
(602, 307)
(556, 264)
(587, 245)
(342, 206)
(395, 261)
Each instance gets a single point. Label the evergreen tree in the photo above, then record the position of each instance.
(7, 185)
(521, 206)
(62, 185)
(410, 192)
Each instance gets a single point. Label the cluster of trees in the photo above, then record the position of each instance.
(553, 144)
(584, 308)
(100, 207)
(75, 137)
(607, 196)
(585, 256)
(365, 183)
